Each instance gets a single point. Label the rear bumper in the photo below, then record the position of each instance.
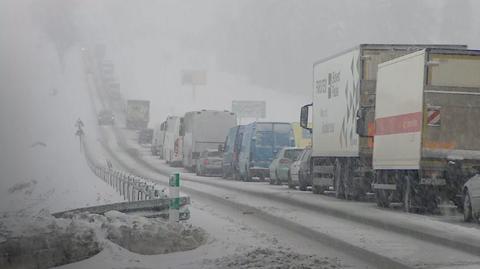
(212, 171)
(259, 172)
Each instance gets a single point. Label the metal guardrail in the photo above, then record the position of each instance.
(130, 186)
(141, 193)
(125, 207)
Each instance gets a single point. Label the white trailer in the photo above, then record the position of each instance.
(172, 143)
(205, 129)
(344, 88)
(426, 128)
(158, 139)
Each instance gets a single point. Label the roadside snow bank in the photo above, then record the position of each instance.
(42, 241)
(273, 259)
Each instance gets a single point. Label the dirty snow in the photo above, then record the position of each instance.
(60, 241)
(273, 259)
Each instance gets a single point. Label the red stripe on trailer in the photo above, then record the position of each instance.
(399, 124)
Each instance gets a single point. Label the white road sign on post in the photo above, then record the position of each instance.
(249, 109)
(194, 78)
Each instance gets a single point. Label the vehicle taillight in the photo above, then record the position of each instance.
(284, 161)
(205, 162)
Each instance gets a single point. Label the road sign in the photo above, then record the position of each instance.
(194, 77)
(249, 109)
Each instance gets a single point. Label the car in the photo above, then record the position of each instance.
(280, 166)
(300, 171)
(106, 117)
(145, 136)
(209, 163)
(471, 199)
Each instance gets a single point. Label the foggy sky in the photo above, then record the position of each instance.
(261, 47)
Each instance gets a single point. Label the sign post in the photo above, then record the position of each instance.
(194, 78)
(174, 191)
(249, 109)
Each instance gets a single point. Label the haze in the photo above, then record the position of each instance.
(251, 50)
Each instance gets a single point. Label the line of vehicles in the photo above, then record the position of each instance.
(209, 142)
(397, 123)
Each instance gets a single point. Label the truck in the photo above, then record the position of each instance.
(426, 128)
(231, 151)
(202, 130)
(172, 142)
(261, 142)
(343, 112)
(158, 139)
(137, 114)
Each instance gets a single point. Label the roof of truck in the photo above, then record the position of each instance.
(453, 51)
(393, 47)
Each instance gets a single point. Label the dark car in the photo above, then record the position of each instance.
(300, 171)
(106, 117)
(145, 136)
(209, 163)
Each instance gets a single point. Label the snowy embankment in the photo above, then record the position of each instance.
(50, 174)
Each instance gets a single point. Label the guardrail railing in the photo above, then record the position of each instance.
(135, 188)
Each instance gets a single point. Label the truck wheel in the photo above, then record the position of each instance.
(338, 179)
(407, 193)
(382, 196)
(467, 207)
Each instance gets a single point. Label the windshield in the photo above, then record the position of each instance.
(385, 175)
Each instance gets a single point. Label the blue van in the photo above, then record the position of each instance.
(261, 142)
(231, 151)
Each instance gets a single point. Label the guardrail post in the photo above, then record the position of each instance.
(174, 191)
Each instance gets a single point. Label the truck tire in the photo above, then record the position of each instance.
(338, 180)
(467, 207)
(381, 196)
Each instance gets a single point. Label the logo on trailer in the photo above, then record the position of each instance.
(433, 116)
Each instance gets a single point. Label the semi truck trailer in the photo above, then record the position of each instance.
(343, 113)
(137, 114)
(202, 130)
(427, 133)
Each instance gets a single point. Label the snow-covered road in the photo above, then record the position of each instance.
(304, 215)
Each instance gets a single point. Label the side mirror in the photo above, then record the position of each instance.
(304, 117)
(361, 127)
